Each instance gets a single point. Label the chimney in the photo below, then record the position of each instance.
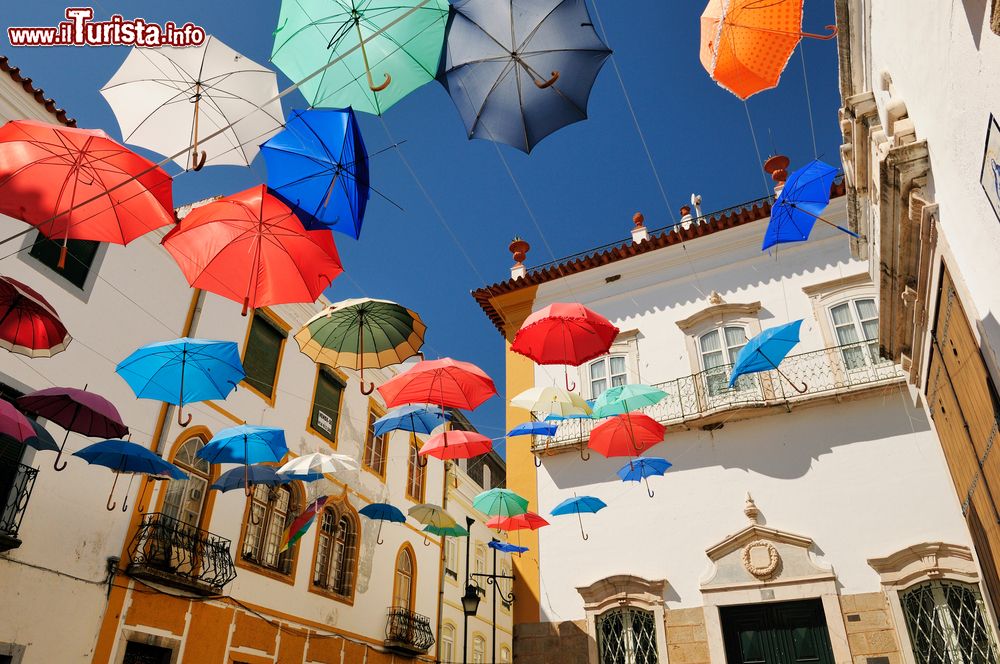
(519, 248)
(639, 233)
(686, 217)
(777, 168)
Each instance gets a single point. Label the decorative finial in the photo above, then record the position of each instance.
(715, 298)
(750, 509)
(639, 219)
(519, 249)
(777, 168)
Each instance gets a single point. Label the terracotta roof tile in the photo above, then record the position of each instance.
(37, 93)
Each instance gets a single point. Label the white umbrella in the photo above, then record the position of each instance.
(165, 98)
(550, 400)
(315, 464)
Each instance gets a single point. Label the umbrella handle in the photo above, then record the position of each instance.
(378, 536)
(826, 37)
(61, 265)
(55, 464)
(541, 85)
(584, 458)
(582, 532)
(427, 542)
(142, 495)
(368, 71)
(111, 505)
(421, 461)
(648, 490)
(198, 160)
(180, 421)
(197, 157)
(246, 306)
(569, 386)
(379, 88)
(795, 387)
(367, 390)
(538, 461)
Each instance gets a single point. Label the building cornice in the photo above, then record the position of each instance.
(37, 93)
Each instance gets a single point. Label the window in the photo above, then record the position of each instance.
(416, 474)
(448, 643)
(947, 623)
(262, 354)
(486, 477)
(451, 557)
(141, 653)
(402, 587)
(505, 586)
(607, 372)
(80, 255)
(480, 559)
(374, 457)
(185, 498)
(504, 655)
(270, 511)
(719, 349)
(336, 553)
(478, 650)
(326, 404)
(854, 322)
(626, 636)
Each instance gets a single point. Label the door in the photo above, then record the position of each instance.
(782, 633)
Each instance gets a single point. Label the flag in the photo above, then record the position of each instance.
(300, 525)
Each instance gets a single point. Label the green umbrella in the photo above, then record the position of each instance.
(450, 531)
(400, 45)
(362, 333)
(500, 502)
(625, 398)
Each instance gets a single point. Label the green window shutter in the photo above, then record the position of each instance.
(80, 256)
(326, 404)
(262, 354)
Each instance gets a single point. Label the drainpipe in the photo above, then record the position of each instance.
(444, 506)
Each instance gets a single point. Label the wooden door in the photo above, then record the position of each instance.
(781, 633)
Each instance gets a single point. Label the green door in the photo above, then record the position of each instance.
(781, 633)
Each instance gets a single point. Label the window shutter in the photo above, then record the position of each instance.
(262, 353)
(326, 404)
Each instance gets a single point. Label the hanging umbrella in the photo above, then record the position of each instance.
(245, 444)
(568, 334)
(164, 98)
(83, 412)
(123, 456)
(626, 398)
(331, 46)
(448, 531)
(13, 423)
(307, 477)
(250, 248)
(579, 505)
(42, 440)
(526, 521)
(382, 512)
(317, 463)
(549, 400)
(183, 371)
(766, 351)
(318, 166)
(416, 418)
(519, 70)
(802, 200)
(533, 429)
(640, 469)
(431, 515)
(362, 333)
(507, 547)
(446, 382)
(624, 435)
(745, 44)
(79, 184)
(237, 478)
(456, 445)
(300, 524)
(500, 502)
(29, 325)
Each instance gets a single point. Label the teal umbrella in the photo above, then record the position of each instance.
(449, 531)
(353, 42)
(500, 502)
(626, 398)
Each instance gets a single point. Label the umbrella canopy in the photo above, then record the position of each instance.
(500, 502)
(42, 440)
(308, 477)
(802, 200)
(382, 512)
(456, 445)
(533, 429)
(446, 382)
(250, 248)
(123, 456)
(309, 465)
(638, 470)
(245, 444)
(578, 505)
(526, 521)
(745, 44)
(506, 547)
(519, 70)
(337, 48)
(362, 333)
(626, 398)
(79, 184)
(318, 166)
(29, 325)
(13, 423)
(183, 371)
(564, 334)
(626, 435)
(165, 98)
(432, 515)
(448, 531)
(766, 351)
(549, 400)
(237, 478)
(416, 418)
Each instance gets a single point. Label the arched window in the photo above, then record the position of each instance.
(856, 321)
(270, 511)
(504, 655)
(185, 499)
(608, 371)
(336, 553)
(448, 643)
(478, 650)
(406, 574)
(480, 559)
(946, 621)
(719, 349)
(626, 636)
(416, 475)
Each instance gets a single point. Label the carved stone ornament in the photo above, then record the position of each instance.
(760, 558)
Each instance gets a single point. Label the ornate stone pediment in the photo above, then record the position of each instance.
(622, 589)
(929, 560)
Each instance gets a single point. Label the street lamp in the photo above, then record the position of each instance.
(470, 600)
(492, 579)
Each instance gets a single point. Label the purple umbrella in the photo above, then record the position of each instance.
(13, 424)
(76, 410)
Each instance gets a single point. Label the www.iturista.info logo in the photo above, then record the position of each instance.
(79, 29)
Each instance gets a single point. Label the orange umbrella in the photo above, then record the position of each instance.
(745, 44)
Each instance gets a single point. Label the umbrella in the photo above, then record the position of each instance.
(183, 371)
(250, 248)
(29, 325)
(310, 465)
(564, 334)
(549, 400)
(766, 351)
(86, 413)
(237, 478)
(643, 468)
(308, 477)
(579, 505)
(79, 184)
(13, 423)
(382, 512)
(344, 39)
(164, 97)
(533, 429)
(519, 70)
(42, 440)
(432, 515)
(624, 435)
(362, 333)
(745, 44)
(318, 166)
(446, 382)
(123, 456)
(245, 444)
(448, 531)
(415, 418)
(506, 547)
(456, 445)
(803, 198)
(500, 502)
(626, 398)
(526, 521)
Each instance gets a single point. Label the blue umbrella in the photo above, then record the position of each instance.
(642, 468)
(237, 478)
(319, 167)
(245, 444)
(123, 456)
(414, 418)
(382, 512)
(533, 429)
(309, 477)
(801, 202)
(579, 505)
(183, 371)
(506, 547)
(766, 351)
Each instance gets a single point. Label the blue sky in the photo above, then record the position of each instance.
(581, 185)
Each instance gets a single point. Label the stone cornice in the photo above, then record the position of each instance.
(719, 312)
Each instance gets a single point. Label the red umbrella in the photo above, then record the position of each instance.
(625, 435)
(79, 184)
(526, 521)
(445, 382)
(250, 248)
(564, 334)
(456, 445)
(28, 323)
(76, 410)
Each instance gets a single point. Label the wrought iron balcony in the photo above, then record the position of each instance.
(704, 398)
(407, 631)
(171, 552)
(15, 503)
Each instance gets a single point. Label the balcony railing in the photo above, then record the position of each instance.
(14, 505)
(706, 394)
(408, 631)
(170, 551)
